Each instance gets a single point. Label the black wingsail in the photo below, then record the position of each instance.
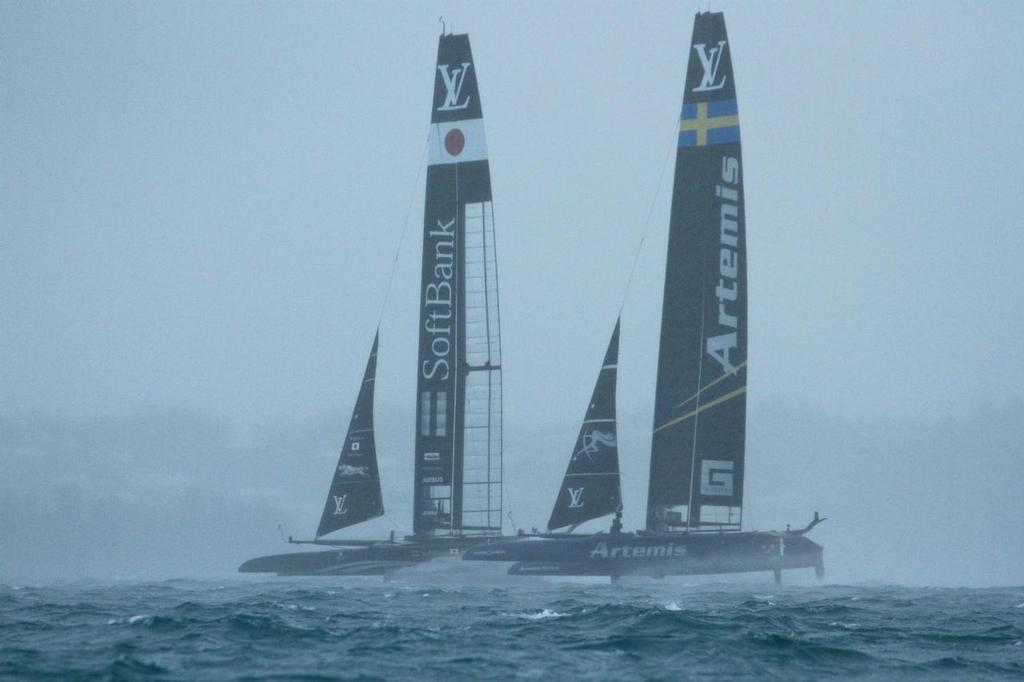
(696, 474)
(458, 407)
(591, 485)
(355, 491)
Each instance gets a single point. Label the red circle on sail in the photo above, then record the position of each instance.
(454, 142)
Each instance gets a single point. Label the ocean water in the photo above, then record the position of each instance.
(425, 627)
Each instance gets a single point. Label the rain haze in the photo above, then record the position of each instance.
(201, 206)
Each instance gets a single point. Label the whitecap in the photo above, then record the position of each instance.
(137, 619)
(546, 613)
(1020, 605)
(672, 606)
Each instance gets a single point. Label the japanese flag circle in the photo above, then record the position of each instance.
(454, 142)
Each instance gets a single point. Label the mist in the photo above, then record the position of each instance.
(201, 206)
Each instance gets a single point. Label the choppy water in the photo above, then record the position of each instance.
(363, 629)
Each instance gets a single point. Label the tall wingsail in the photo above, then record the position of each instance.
(697, 449)
(591, 485)
(458, 409)
(355, 490)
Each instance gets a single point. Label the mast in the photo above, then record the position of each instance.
(355, 495)
(697, 448)
(457, 482)
(591, 486)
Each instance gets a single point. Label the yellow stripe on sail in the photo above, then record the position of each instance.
(707, 406)
(709, 385)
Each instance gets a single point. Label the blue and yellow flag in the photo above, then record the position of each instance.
(704, 123)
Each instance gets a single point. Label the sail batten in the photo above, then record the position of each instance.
(697, 448)
(458, 441)
(591, 487)
(355, 493)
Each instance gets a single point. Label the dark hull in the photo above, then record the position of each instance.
(655, 554)
(380, 559)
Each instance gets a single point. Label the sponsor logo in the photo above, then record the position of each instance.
(340, 505)
(349, 470)
(575, 498)
(592, 442)
(487, 552)
(453, 80)
(716, 477)
(432, 479)
(605, 550)
(432, 456)
(438, 300)
(722, 345)
(710, 60)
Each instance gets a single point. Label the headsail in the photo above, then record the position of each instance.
(458, 407)
(700, 402)
(591, 485)
(355, 490)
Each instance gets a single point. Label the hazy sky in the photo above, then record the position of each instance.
(200, 203)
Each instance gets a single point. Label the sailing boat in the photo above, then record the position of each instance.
(695, 494)
(457, 486)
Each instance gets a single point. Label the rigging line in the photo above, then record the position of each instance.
(708, 385)
(647, 222)
(405, 230)
(700, 372)
(393, 523)
(509, 512)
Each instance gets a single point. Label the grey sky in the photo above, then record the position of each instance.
(200, 204)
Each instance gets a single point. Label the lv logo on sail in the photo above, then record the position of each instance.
(575, 498)
(709, 61)
(453, 81)
(340, 504)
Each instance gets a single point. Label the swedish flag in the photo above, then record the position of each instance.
(705, 123)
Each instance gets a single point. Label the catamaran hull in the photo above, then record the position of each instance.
(382, 559)
(357, 561)
(655, 555)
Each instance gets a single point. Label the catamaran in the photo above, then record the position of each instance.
(457, 485)
(695, 494)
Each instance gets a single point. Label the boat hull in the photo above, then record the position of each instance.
(379, 559)
(654, 554)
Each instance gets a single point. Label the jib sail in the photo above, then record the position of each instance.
(458, 407)
(355, 490)
(696, 476)
(591, 485)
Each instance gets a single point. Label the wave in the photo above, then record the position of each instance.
(342, 630)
